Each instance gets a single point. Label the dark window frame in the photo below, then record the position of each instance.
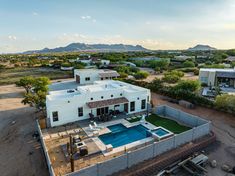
(80, 111)
(87, 78)
(143, 104)
(55, 116)
(132, 106)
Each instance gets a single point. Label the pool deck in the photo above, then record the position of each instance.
(93, 134)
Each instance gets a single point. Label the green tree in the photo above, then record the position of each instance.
(188, 64)
(26, 82)
(39, 87)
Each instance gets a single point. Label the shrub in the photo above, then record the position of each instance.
(188, 85)
(173, 76)
(225, 102)
(123, 75)
(188, 64)
(141, 75)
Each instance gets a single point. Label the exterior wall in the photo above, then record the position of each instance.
(208, 77)
(67, 107)
(93, 74)
(131, 158)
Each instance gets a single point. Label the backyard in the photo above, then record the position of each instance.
(169, 124)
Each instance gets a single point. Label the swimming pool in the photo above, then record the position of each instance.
(121, 135)
(161, 133)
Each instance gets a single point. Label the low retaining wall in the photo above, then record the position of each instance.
(200, 128)
(45, 151)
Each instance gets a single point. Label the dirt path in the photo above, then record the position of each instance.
(223, 124)
(20, 153)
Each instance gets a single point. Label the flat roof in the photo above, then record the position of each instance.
(98, 86)
(218, 69)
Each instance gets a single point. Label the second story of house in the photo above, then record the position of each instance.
(89, 76)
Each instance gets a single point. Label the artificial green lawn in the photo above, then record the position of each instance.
(170, 125)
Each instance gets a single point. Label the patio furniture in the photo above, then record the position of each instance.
(91, 127)
(92, 117)
(96, 126)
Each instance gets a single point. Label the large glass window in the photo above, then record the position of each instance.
(143, 104)
(80, 112)
(55, 116)
(132, 106)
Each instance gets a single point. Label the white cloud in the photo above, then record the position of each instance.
(86, 17)
(12, 37)
(35, 14)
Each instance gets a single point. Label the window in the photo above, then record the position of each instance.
(80, 112)
(87, 79)
(106, 77)
(120, 94)
(111, 95)
(204, 79)
(91, 98)
(102, 97)
(55, 116)
(132, 106)
(143, 104)
(138, 98)
(102, 78)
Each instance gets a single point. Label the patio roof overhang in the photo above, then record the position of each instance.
(108, 102)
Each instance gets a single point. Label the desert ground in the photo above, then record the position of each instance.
(21, 154)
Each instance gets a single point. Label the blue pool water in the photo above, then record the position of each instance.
(160, 132)
(121, 135)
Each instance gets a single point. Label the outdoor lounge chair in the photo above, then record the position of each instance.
(91, 127)
(97, 127)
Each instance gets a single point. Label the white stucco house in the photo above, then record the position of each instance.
(217, 77)
(89, 76)
(100, 98)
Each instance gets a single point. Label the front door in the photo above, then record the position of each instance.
(126, 107)
(78, 79)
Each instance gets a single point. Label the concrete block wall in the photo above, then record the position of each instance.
(202, 130)
(111, 166)
(183, 138)
(88, 171)
(163, 146)
(45, 151)
(140, 155)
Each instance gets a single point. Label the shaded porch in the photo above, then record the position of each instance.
(105, 110)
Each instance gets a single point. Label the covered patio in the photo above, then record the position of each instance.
(105, 110)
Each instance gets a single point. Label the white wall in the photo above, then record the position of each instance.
(67, 106)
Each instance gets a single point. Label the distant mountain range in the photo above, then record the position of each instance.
(201, 48)
(75, 47)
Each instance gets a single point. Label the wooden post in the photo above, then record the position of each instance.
(71, 153)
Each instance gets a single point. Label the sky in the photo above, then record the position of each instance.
(154, 24)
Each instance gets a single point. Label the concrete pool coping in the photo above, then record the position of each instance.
(93, 134)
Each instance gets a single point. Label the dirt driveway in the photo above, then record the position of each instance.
(223, 125)
(20, 153)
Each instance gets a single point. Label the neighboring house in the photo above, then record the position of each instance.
(231, 58)
(105, 62)
(66, 68)
(85, 61)
(89, 76)
(183, 57)
(147, 58)
(130, 64)
(100, 98)
(217, 77)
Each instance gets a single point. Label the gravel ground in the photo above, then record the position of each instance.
(223, 125)
(21, 154)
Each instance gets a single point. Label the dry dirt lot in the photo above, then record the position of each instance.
(223, 125)
(20, 153)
